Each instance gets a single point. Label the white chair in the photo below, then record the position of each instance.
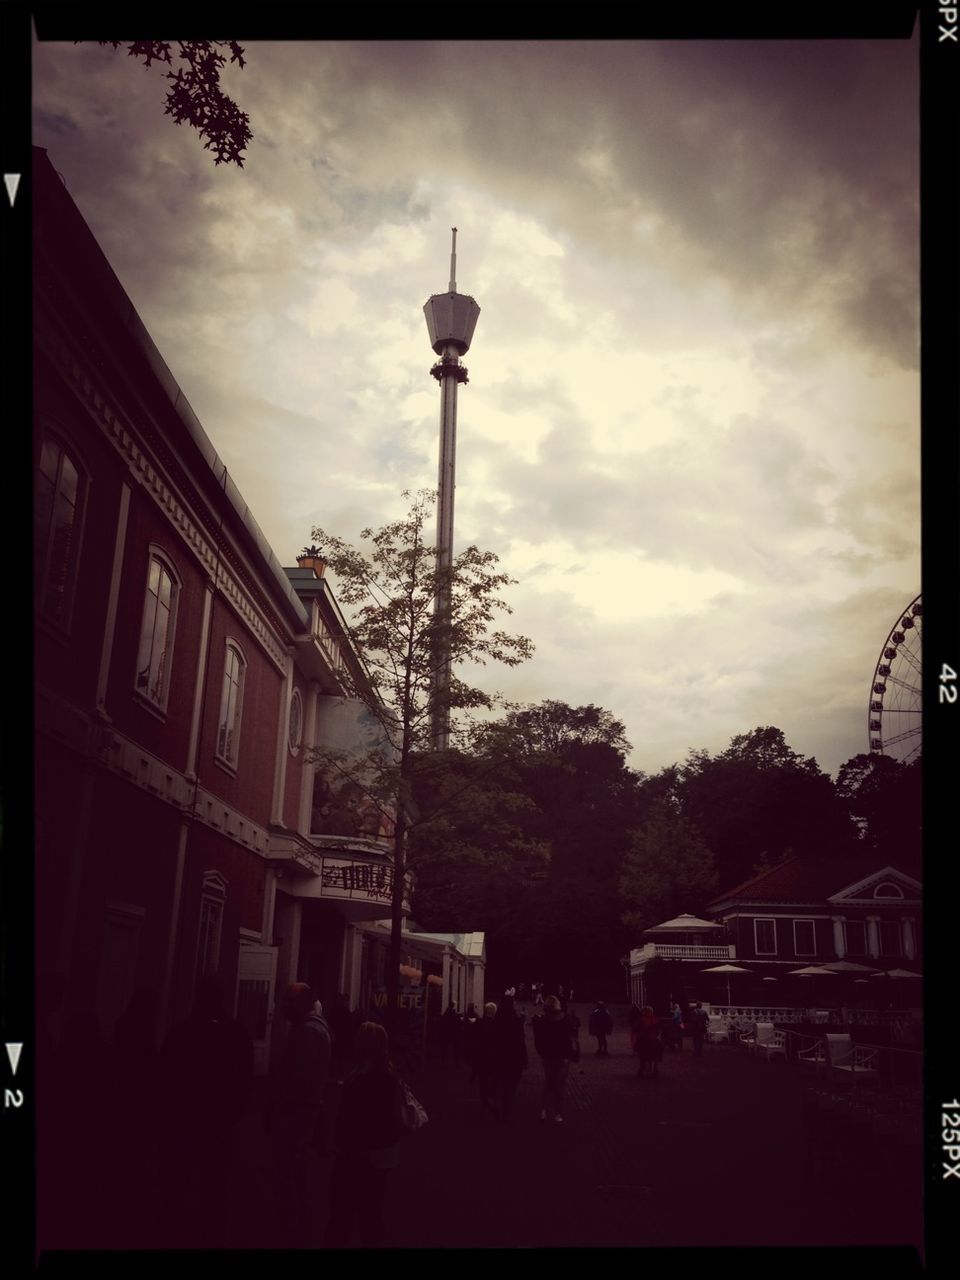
(718, 1029)
(775, 1046)
(827, 1049)
(765, 1032)
(858, 1065)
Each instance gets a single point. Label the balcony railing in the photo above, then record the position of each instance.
(677, 951)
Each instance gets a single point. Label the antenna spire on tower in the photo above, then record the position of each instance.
(453, 262)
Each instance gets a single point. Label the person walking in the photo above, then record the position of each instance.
(205, 1075)
(368, 1132)
(451, 1028)
(600, 1026)
(508, 1053)
(677, 1028)
(485, 1057)
(649, 1044)
(697, 1019)
(297, 1118)
(553, 1035)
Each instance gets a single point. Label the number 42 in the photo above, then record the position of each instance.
(948, 687)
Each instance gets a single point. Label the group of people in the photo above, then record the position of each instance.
(136, 1140)
(648, 1037)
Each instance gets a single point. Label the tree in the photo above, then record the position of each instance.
(570, 762)
(195, 96)
(668, 869)
(883, 795)
(758, 802)
(389, 589)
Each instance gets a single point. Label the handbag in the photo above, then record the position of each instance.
(412, 1114)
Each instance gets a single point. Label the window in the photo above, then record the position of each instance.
(804, 938)
(295, 727)
(156, 632)
(231, 704)
(765, 937)
(888, 890)
(58, 514)
(211, 924)
(890, 938)
(855, 937)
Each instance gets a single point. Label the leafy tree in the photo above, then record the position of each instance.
(570, 762)
(668, 869)
(389, 590)
(884, 798)
(758, 802)
(195, 96)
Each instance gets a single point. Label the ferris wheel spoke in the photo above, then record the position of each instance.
(902, 684)
(911, 658)
(902, 737)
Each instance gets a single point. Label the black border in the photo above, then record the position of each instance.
(940, 284)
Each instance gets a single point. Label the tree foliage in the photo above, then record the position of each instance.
(758, 802)
(668, 869)
(388, 589)
(194, 96)
(884, 797)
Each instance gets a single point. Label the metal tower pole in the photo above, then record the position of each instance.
(451, 319)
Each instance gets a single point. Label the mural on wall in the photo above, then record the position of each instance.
(344, 800)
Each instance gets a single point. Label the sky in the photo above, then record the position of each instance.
(691, 428)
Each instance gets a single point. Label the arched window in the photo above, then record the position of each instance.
(231, 703)
(295, 724)
(61, 491)
(155, 654)
(212, 898)
(887, 889)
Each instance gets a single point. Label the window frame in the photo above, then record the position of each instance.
(232, 648)
(213, 898)
(771, 920)
(813, 946)
(847, 948)
(888, 926)
(296, 699)
(156, 553)
(43, 554)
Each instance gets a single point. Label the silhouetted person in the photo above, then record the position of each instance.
(698, 1027)
(554, 1035)
(76, 1175)
(368, 1135)
(133, 1080)
(205, 1073)
(508, 1057)
(297, 1115)
(601, 1024)
(649, 1044)
(485, 1057)
(471, 1043)
(450, 1030)
(342, 1027)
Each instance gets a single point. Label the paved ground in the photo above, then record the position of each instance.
(713, 1153)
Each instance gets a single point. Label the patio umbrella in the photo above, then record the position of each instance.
(727, 969)
(896, 973)
(848, 966)
(811, 971)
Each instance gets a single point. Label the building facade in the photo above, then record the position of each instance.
(181, 675)
(802, 914)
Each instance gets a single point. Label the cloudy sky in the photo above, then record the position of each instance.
(691, 429)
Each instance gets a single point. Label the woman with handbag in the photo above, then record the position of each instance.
(508, 1056)
(369, 1127)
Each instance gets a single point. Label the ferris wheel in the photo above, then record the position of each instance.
(896, 695)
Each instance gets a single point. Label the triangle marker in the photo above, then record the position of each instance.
(13, 1053)
(12, 181)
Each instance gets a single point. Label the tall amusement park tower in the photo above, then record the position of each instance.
(451, 319)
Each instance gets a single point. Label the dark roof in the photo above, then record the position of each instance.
(803, 880)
